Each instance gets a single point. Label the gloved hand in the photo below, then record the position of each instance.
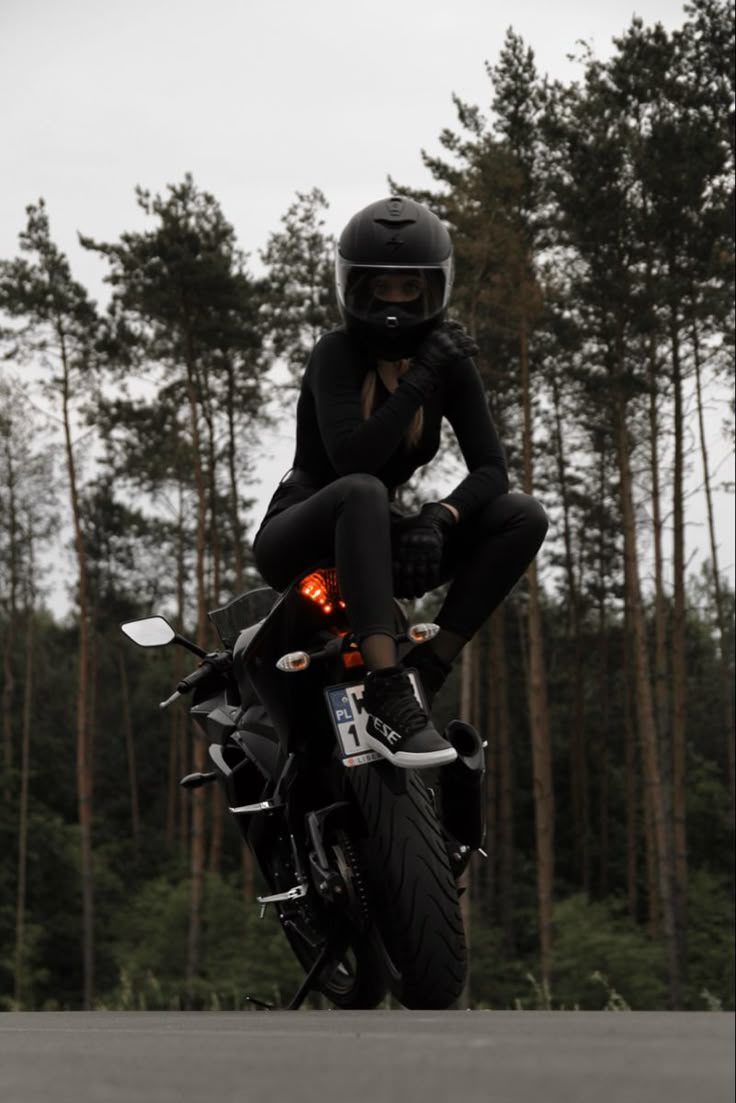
(418, 543)
(445, 343)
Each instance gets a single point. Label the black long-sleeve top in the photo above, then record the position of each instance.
(333, 438)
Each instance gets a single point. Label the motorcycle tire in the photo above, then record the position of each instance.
(413, 890)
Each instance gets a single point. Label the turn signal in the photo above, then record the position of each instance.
(421, 632)
(295, 660)
(352, 658)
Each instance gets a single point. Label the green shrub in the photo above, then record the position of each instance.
(600, 958)
(241, 955)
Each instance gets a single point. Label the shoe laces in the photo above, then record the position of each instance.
(401, 703)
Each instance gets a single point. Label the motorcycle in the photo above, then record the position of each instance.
(361, 859)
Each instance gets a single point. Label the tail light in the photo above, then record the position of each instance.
(321, 588)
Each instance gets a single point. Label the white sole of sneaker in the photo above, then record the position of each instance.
(418, 761)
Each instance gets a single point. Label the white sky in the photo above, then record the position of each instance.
(257, 100)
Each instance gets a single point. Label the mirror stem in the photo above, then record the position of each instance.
(189, 645)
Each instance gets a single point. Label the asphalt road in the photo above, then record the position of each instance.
(367, 1057)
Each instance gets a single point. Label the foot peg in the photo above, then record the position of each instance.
(291, 894)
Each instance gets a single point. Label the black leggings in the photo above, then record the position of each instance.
(348, 523)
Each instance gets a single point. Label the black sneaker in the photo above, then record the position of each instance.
(398, 728)
(432, 670)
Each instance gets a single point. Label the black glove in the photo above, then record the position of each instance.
(445, 343)
(418, 542)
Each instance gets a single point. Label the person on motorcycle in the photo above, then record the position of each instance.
(372, 400)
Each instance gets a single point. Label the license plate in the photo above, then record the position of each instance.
(346, 708)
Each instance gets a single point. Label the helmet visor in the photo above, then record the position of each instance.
(366, 290)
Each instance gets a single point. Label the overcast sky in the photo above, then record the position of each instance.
(257, 100)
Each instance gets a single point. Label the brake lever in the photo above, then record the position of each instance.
(170, 700)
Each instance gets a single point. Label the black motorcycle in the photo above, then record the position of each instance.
(361, 858)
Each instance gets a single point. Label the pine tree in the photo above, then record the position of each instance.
(27, 524)
(594, 187)
(189, 307)
(299, 298)
(57, 329)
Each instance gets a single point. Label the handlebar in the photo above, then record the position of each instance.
(203, 671)
(215, 663)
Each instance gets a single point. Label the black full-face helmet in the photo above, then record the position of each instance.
(393, 274)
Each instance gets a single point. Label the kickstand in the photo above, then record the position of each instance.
(331, 947)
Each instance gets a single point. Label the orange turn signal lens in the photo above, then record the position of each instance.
(421, 632)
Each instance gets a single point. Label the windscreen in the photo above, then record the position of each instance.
(242, 612)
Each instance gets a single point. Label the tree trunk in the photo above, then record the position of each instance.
(172, 795)
(505, 788)
(214, 542)
(679, 673)
(603, 753)
(217, 810)
(84, 776)
(181, 753)
(186, 806)
(196, 796)
(249, 879)
(235, 524)
(217, 829)
(661, 680)
(653, 895)
(578, 757)
(538, 717)
(727, 702)
(632, 897)
(645, 708)
(7, 703)
(216, 807)
(8, 674)
(20, 913)
(135, 819)
(93, 668)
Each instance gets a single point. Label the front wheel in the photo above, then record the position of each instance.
(412, 887)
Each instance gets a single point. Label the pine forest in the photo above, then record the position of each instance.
(594, 241)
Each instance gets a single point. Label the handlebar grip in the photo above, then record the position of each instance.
(188, 683)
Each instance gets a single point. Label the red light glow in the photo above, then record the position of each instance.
(321, 588)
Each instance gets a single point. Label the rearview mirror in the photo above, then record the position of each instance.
(150, 632)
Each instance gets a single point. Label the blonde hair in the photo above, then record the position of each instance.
(390, 372)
